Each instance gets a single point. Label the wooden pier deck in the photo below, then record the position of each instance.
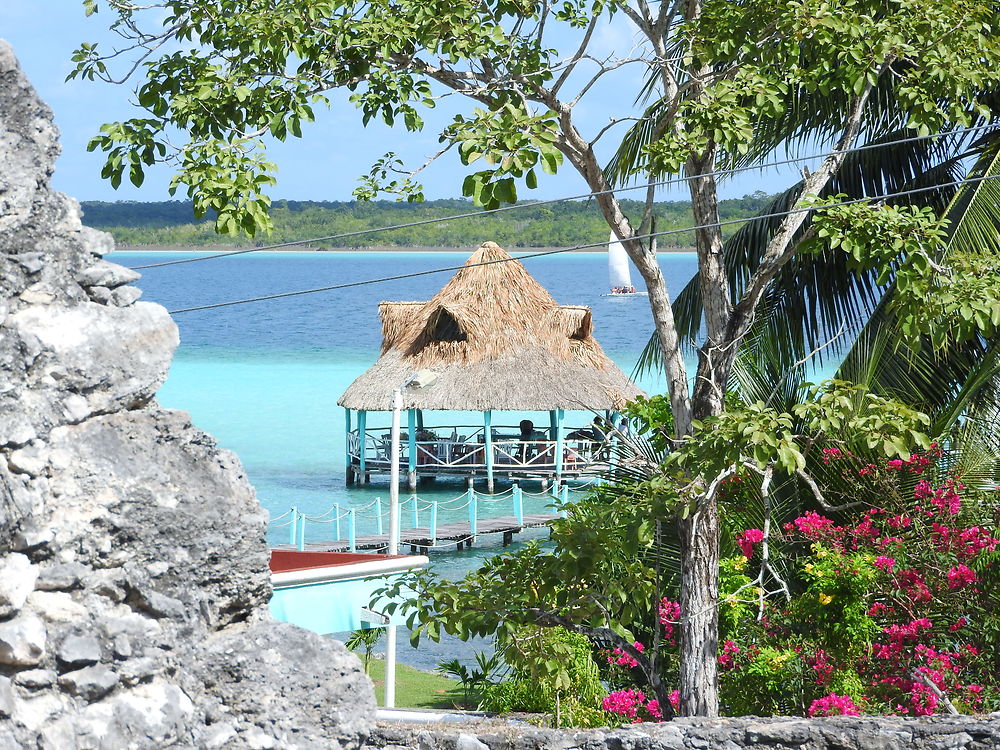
(419, 539)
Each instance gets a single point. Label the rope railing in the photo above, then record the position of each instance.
(416, 508)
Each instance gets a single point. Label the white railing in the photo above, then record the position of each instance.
(462, 453)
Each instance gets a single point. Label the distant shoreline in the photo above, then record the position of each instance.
(368, 249)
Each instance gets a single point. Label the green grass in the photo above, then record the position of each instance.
(416, 689)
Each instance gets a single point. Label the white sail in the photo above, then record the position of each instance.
(618, 271)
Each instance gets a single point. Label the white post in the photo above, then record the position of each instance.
(390, 635)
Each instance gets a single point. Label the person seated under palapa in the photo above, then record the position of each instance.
(597, 431)
(530, 438)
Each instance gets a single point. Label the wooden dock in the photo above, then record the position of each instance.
(419, 539)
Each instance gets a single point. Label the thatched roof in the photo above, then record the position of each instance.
(496, 340)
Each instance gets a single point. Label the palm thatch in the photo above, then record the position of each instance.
(496, 341)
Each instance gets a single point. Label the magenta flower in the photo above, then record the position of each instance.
(747, 539)
(834, 705)
(961, 576)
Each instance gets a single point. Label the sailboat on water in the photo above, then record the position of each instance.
(619, 275)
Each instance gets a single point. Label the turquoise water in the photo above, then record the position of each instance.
(264, 378)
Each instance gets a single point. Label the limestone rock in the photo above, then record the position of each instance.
(6, 698)
(90, 683)
(107, 274)
(22, 640)
(35, 678)
(60, 576)
(148, 624)
(17, 580)
(79, 651)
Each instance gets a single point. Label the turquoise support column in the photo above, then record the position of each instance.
(295, 526)
(347, 446)
(559, 443)
(362, 424)
(411, 419)
(473, 514)
(378, 516)
(351, 531)
(488, 446)
(302, 533)
(434, 523)
(518, 505)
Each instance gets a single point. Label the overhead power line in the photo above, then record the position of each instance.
(550, 201)
(383, 279)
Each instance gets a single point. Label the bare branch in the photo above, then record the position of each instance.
(580, 52)
(811, 483)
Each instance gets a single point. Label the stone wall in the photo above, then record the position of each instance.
(837, 733)
(133, 565)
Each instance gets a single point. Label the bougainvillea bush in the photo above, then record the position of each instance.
(891, 606)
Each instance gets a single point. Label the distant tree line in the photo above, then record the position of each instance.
(550, 225)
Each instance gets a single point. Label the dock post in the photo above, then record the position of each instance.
(434, 523)
(411, 419)
(336, 517)
(347, 449)
(488, 446)
(294, 527)
(351, 536)
(565, 499)
(362, 444)
(378, 516)
(518, 505)
(416, 510)
(302, 533)
(472, 517)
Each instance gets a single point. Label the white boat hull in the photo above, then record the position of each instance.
(629, 294)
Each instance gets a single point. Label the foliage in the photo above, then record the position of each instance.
(474, 681)
(948, 303)
(365, 640)
(571, 694)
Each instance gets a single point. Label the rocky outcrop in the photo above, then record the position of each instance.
(133, 567)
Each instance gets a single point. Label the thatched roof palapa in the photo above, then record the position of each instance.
(497, 340)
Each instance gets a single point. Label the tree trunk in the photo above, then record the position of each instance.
(699, 627)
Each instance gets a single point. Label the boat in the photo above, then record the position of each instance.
(619, 276)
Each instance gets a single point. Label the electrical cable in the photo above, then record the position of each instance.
(544, 253)
(550, 201)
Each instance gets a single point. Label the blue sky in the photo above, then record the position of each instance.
(323, 165)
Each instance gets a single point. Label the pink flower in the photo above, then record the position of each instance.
(624, 702)
(670, 615)
(747, 539)
(959, 577)
(729, 650)
(834, 705)
(622, 658)
(812, 524)
(885, 563)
